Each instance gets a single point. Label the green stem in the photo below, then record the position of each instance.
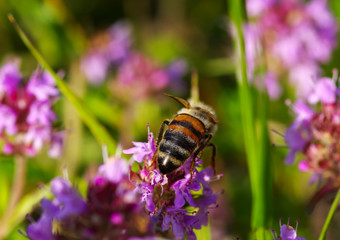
(330, 215)
(98, 131)
(16, 191)
(256, 143)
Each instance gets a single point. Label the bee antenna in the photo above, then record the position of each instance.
(182, 101)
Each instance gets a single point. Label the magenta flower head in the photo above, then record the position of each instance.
(287, 232)
(139, 75)
(316, 134)
(176, 202)
(111, 209)
(26, 119)
(289, 38)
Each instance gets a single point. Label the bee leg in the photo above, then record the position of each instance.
(204, 143)
(161, 131)
(212, 162)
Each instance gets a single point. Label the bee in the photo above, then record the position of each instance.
(186, 135)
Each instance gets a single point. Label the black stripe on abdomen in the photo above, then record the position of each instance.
(187, 125)
(180, 139)
(174, 150)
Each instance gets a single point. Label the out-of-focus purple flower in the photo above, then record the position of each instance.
(167, 196)
(296, 138)
(120, 41)
(70, 202)
(42, 86)
(287, 232)
(302, 111)
(56, 145)
(36, 136)
(111, 210)
(67, 202)
(95, 66)
(114, 170)
(42, 229)
(288, 38)
(8, 120)
(112, 50)
(10, 77)
(26, 110)
(142, 75)
(41, 113)
(324, 91)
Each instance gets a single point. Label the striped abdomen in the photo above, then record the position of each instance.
(179, 141)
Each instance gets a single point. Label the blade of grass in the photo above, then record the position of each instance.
(98, 131)
(330, 215)
(255, 142)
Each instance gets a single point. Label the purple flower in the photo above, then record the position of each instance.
(294, 137)
(42, 86)
(120, 41)
(95, 66)
(288, 38)
(287, 232)
(114, 170)
(10, 77)
(66, 203)
(112, 52)
(26, 111)
(142, 150)
(324, 91)
(167, 196)
(110, 210)
(36, 136)
(70, 202)
(142, 75)
(8, 120)
(41, 113)
(42, 229)
(56, 145)
(146, 191)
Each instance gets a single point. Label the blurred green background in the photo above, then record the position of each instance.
(196, 30)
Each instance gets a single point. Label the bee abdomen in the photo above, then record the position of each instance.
(179, 141)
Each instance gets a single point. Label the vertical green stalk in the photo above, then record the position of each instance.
(256, 142)
(18, 186)
(331, 212)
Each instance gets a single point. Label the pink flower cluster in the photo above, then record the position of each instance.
(316, 134)
(288, 38)
(26, 114)
(135, 73)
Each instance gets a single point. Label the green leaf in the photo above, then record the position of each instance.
(98, 131)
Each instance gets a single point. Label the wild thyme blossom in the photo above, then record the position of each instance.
(287, 232)
(26, 112)
(289, 39)
(176, 202)
(111, 209)
(316, 134)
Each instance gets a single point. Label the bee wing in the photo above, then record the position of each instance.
(182, 101)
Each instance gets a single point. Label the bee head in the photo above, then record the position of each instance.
(199, 110)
